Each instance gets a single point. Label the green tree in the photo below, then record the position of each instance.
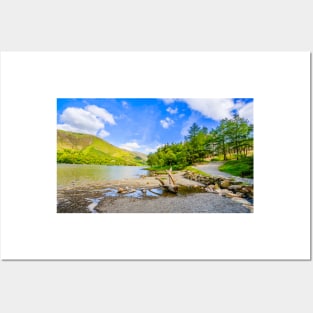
(221, 132)
(170, 158)
(196, 143)
(233, 135)
(193, 132)
(238, 131)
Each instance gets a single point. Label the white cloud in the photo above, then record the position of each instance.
(101, 113)
(81, 119)
(181, 115)
(89, 120)
(125, 104)
(168, 100)
(167, 122)
(103, 133)
(216, 109)
(172, 111)
(132, 146)
(187, 124)
(247, 112)
(70, 128)
(239, 104)
(152, 149)
(149, 150)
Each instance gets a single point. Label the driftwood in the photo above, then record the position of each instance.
(170, 186)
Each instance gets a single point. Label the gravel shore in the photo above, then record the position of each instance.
(193, 203)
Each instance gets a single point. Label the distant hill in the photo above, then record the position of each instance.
(88, 149)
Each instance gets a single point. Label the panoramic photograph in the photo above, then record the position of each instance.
(150, 155)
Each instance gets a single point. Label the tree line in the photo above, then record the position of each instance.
(231, 138)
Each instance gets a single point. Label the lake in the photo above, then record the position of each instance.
(68, 173)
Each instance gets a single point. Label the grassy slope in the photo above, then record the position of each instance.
(242, 167)
(88, 149)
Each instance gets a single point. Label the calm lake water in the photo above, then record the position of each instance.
(68, 173)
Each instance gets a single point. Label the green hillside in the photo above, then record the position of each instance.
(87, 149)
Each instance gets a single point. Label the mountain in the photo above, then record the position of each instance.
(88, 149)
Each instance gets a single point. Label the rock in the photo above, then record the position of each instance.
(125, 190)
(225, 183)
(203, 180)
(236, 182)
(250, 189)
(226, 192)
(239, 194)
(209, 189)
(235, 187)
(217, 190)
(216, 186)
(231, 195)
(250, 207)
(206, 180)
(223, 192)
(211, 181)
(241, 200)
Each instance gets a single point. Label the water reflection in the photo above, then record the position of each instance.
(69, 173)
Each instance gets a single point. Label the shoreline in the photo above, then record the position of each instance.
(140, 182)
(95, 197)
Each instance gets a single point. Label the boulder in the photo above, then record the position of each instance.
(227, 193)
(241, 200)
(250, 207)
(218, 191)
(235, 187)
(244, 190)
(225, 183)
(250, 189)
(216, 186)
(231, 195)
(236, 182)
(209, 189)
(207, 180)
(211, 181)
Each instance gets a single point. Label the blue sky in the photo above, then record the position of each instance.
(145, 124)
